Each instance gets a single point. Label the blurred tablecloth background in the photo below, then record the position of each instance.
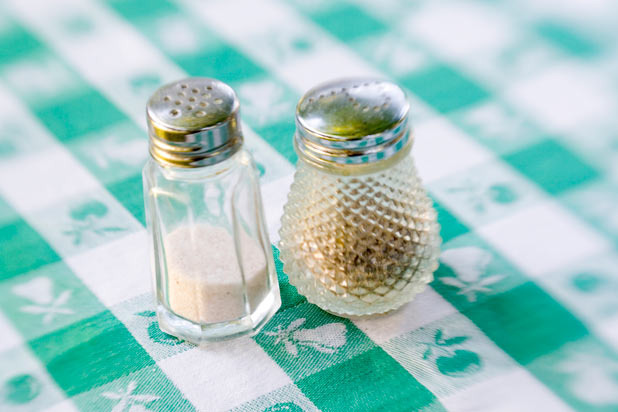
(515, 110)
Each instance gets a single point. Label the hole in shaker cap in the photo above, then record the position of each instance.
(209, 87)
(174, 112)
(183, 86)
(177, 102)
(167, 99)
(365, 108)
(204, 104)
(194, 91)
(191, 99)
(218, 101)
(183, 94)
(200, 113)
(189, 108)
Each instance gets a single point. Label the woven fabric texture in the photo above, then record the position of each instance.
(516, 138)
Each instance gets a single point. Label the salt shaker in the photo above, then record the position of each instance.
(359, 234)
(213, 267)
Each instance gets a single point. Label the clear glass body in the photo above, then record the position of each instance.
(359, 243)
(214, 274)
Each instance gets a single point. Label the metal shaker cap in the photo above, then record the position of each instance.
(352, 121)
(193, 122)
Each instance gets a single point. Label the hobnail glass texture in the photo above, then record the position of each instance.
(361, 244)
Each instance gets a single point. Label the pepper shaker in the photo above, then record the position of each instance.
(359, 234)
(214, 274)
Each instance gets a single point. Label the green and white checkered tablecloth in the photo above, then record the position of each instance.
(514, 107)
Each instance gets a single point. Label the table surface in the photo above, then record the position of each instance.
(514, 108)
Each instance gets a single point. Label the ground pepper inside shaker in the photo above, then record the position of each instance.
(359, 235)
(212, 262)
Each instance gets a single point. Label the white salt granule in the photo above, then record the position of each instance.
(204, 278)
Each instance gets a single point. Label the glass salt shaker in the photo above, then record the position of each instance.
(359, 234)
(213, 267)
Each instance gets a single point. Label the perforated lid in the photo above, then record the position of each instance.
(352, 121)
(193, 122)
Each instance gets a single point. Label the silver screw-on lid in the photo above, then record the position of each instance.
(352, 121)
(193, 122)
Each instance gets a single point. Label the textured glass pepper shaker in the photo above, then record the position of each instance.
(213, 267)
(359, 234)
